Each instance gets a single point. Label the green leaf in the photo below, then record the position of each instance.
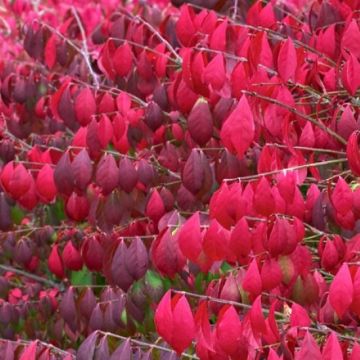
(17, 214)
(199, 281)
(123, 317)
(225, 267)
(56, 212)
(82, 277)
(153, 279)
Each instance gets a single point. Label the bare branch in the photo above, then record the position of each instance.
(85, 50)
(145, 344)
(295, 112)
(32, 276)
(298, 167)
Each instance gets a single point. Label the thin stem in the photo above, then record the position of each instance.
(31, 276)
(147, 48)
(145, 344)
(272, 33)
(47, 345)
(222, 301)
(160, 37)
(295, 112)
(326, 330)
(236, 5)
(298, 167)
(305, 148)
(85, 50)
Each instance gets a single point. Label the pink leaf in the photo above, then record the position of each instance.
(341, 291)
(238, 131)
(309, 349)
(332, 349)
(122, 60)
(183, 325)
(287, 61)
(190, 240)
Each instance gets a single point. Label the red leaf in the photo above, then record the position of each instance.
(228, 330)
(307, 137)
(185, 28)
(351, 39)
(342, 197)
(45, 185)
(264, 202)
(353, 153)
(155, 208)
(287, 60)
(273, 355)
(329, 256)
(240, 239)
(203, 325)
(309, 349)
(200, 122)
(71, 257)
(128, 175)
(107, 174)
(230, 290)
(252, 280)
(77, 207)
(332, 349)
(190, 239)
(30, 351)
(19, 182)
(85, 106)
(239, 80)
(350, 75)
(122, 60)
(6, 174)
(355, 353)
(106, 133)
(92, 253)
(63, 175)
(105, 61)
(153, 116)
(341, 291)
(216, 241)
(196, 175)
(166, 254)
(238, 131)
(271, 274)
(347, 123)
(164, 318)
(55, 262)
(50, 51)
(218, 37)
(299, 316)
(215, 73)
(257, 318)
(82, 170)
(183, 325)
